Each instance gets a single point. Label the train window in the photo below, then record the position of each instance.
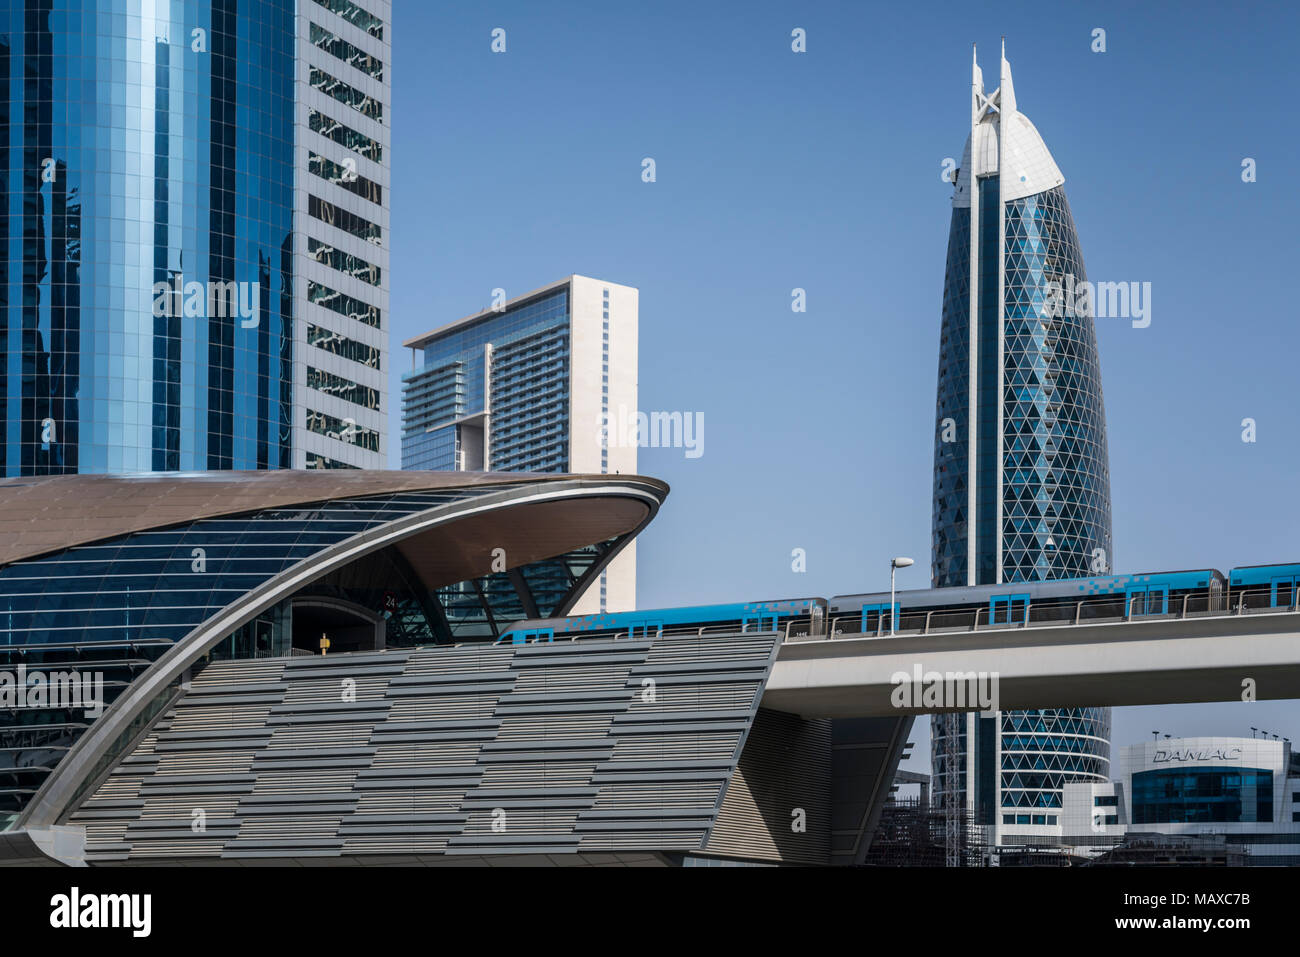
(1105, 606)
(999, 611)
(875, 619)
(1008, 609)
(1283, 593)
(1052, 609)
(1152, 600)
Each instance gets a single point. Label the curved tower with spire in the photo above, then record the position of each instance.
(1021, 478)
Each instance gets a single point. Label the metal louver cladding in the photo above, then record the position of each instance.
(583, 747)
(770, 813)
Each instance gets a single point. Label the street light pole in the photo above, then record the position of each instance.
(894, 565)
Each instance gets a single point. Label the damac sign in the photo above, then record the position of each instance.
(1187, 754)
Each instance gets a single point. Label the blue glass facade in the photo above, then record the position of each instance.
(952, 445)
(526, 374)
(1054, 509)
(1045, 749)
(1056, 519)
(148, 168)
(1184, 795)
(987, 386)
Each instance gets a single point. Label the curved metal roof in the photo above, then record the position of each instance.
(50, 513)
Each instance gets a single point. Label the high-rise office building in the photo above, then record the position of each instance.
(538, 383)
(196, 221)
(1021, 479)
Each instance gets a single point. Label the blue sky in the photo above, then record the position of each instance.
(822, 170)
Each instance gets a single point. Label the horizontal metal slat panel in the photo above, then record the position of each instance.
(423, 751)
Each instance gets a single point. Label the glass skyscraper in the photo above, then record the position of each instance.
(1021, 479)
(514, 363)
(196, 218)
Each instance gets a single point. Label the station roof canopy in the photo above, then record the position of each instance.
(43, 515)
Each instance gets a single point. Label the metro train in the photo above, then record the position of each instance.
(1204, 591)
